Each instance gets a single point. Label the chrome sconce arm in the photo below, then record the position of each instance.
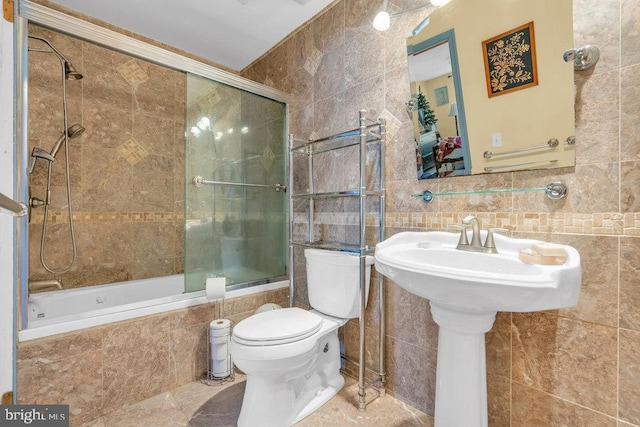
(583, 57)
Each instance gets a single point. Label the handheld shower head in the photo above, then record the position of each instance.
(74, 131)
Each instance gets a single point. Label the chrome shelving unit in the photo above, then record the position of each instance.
(369, 133)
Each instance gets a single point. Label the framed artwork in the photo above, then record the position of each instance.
(510, 61)
(442, 95)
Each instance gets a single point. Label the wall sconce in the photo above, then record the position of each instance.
(412, 105)
(583, 57)
(382, 21)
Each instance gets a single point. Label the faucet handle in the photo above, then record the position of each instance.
(490, 243)
(463, 234)
(470, 219)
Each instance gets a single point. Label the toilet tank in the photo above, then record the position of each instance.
(333, 282)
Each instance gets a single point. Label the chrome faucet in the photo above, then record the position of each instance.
(476, 244)
(475, 226)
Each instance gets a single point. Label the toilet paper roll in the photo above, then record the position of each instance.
(220, 328)
(222, 368)
(220, 350)
(215, 288)
(220, 340)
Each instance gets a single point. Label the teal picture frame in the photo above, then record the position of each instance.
(441, 95)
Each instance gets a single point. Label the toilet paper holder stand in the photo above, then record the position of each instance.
(221, 341)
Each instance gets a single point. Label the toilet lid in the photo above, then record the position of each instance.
(277, 327)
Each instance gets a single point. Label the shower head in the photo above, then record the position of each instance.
(74, 131)
(70, 72)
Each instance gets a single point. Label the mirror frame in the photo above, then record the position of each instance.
(449, 37)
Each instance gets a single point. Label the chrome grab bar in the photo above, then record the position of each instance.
(199, 181)
(552, 143)
(16, 208)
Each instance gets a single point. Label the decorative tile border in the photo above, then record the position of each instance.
(631, 226)
(541, 222)
(92, 217)
(614, 224)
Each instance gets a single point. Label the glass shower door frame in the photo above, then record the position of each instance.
(30, 12)
(235, 165)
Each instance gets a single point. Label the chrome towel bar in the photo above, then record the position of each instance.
(199, 181)
(552, 143)
(492, 168)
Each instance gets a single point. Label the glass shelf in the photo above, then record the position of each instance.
(554, 191)
(342, 140)
(329, 195)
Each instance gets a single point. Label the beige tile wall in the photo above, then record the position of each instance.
(575, 367)
(128, 196)
(127, 174)
(99, 370)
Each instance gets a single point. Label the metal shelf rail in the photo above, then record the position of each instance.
(369, 132)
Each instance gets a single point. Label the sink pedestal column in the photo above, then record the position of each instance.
(461, 375)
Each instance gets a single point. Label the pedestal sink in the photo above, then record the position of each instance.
(465, 290)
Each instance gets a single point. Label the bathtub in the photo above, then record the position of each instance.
(68, 310)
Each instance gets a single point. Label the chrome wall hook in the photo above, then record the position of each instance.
(584, 57)
(412, 105)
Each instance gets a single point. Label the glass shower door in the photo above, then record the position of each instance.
(235, 212)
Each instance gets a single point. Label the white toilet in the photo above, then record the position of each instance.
(292, 356)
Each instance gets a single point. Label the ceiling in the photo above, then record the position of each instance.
(429, 64)
(232, 33)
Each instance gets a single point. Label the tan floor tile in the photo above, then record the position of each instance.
(95, 423)
(386, 411)
(196, 404)
(197, 399)
(158, 411)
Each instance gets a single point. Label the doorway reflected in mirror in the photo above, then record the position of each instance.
(439, 141)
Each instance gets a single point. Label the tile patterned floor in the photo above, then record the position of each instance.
(199, 405)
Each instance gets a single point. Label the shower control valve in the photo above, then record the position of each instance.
(34, 202)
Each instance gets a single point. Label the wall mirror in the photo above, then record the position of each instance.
(490, 90)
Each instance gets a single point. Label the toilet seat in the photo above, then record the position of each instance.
(277, 327)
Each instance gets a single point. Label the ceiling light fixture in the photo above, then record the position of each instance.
(382, 21)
